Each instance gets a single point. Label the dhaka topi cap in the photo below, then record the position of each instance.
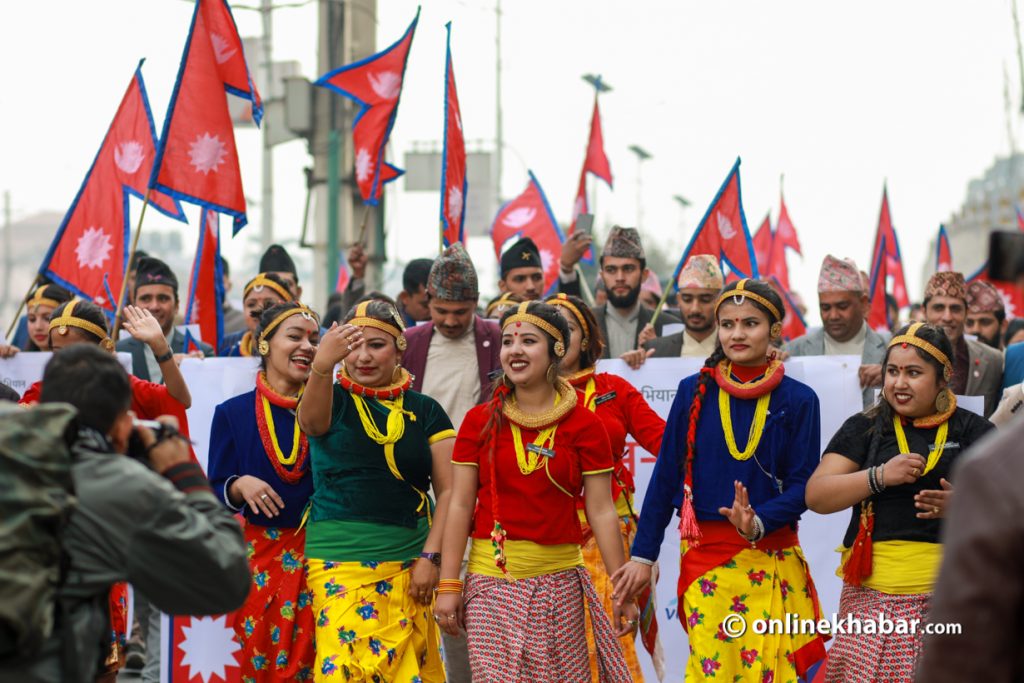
(651, 284)
(948, 283)
(839, 275)
(982, 297)
(624, 243)
(522, 254)
(153, 271)
(452, 277)
(277, 260)
(701, 272)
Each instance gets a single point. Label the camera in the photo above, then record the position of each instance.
(136, 447)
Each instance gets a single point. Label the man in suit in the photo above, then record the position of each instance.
(156, 290)
(453, 356)
(977, 368)
(697, 289)
(843, 303)
(623, 270)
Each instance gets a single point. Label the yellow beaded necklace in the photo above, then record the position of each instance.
(937, 447)
(756, 427)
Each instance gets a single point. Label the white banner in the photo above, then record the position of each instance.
(24, 369)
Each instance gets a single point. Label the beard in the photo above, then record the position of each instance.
(626, 301)
(990, 341)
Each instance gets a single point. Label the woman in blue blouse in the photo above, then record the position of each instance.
(259, 468)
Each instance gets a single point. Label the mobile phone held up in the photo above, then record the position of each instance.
(1005, 255)
(584, 224)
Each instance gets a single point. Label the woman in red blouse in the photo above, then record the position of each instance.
(624, 412)
(524, 459)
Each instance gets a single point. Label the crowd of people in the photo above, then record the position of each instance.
(438, 474)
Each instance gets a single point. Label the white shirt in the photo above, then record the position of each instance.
(698, 349)
(852, 347)
(155, 374)
(451, 375)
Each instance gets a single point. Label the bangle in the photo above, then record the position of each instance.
(325, 375)
(642, 560)
(163, 358)
(880, 477)
(449, 586)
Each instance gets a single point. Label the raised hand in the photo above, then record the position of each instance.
(141, 324)
(741, 515)
(335, 345)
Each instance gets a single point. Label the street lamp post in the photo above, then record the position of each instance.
(642, 155)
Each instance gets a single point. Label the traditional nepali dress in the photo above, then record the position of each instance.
(624, 412)
(369, 518)
(724, 574)
(149, 401)
(525, 621)
(251, 435)
(904, 552)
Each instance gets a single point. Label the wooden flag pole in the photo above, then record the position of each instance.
(21, 307)
(363, 225)
(588, 296)
(661, 304)
(114, 333)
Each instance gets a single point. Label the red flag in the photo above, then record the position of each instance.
(793, 324)
(529, 215)
(943, 253)
(1013, 300)
(197, 160)
(202, 650)
(1020, 217)
(878, 316)
(762, 242)
(205, 305)
(784, 230)
(90, 249)
(453, 171)
(887, 243)
(343, 275)
(595, 162)
(723, 231)
(375, 84)
(777, 266)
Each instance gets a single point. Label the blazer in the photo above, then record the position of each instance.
(488, 346)
(985, 374)
(667, 347)
(813, 344)
(137, 349)
(643, 318)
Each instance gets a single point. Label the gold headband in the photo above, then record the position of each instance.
(361, 319)
(739, 291)
(261, 281)
(263, 346)
(38, 299)
(504, 299)
(522, 316)
(911, 338)
(562, 300)
(67, 320)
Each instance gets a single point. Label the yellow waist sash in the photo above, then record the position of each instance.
(900, 567)
(526, 559)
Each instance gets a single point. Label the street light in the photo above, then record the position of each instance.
(642, 155)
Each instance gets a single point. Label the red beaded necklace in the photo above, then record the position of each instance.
(265, 396)
(387, 393)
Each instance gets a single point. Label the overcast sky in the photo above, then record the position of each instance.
(838, 97)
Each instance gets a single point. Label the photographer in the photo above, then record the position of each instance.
(150, 520)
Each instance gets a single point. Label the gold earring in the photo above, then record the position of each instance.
(552, 373)
(263, 347)
(776, 330)
(944, 401)
(584, 343)
(396, 374)
(559, 349)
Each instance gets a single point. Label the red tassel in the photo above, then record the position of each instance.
(858, 564)
(689, 530)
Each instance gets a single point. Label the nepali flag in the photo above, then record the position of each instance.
(887, 245)
(1013, 300)
(878, 314)
(205, 305)
(793, 323)
(723, 232)
(375, 84)
(943, 252)
(90, 250)
(453, 170)
(596, 162)
(529, 215)
(197, 159)
(762, 242)
(201, 650)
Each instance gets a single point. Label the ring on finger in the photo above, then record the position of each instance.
(935, 510)
(264, 496)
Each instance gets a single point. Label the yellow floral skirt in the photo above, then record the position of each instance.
(368, 628)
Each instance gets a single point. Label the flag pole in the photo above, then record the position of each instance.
(362, 226)
(21, 307)
(661, 304)
(440, 239)
(115, 333)
(588, 296)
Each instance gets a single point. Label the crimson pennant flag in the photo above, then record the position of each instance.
(205, 305)
(762, 242)
(888, 245)
(1013, 300)
(375, 84)
(784, 230)
(529, 215)
(793, 323)
(723, 232)
(596, 162)
(197, 159)
(878, 314)
(89, 252)
(943, 253)
(453, 158)
(777, 266)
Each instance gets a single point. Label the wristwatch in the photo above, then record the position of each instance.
(435, 558)
(163, 358)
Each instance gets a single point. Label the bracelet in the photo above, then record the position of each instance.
(449, 586)
(642, 560)
(165, 357)
(325, 375)
(880, 477)
(756, 534)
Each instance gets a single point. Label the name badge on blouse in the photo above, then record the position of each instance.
(604, 398)
(540, 450)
